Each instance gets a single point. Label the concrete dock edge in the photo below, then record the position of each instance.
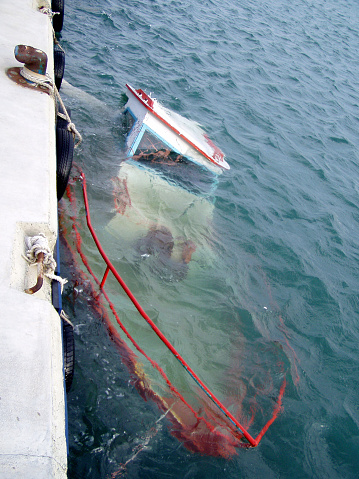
(32, 397)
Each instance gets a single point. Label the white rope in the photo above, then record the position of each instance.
(39, 244)
(141, 446)
(50, 15)
(46, 81)
(70, 126)
(48, 12)
(58, 44)
(65, 318)
(33, 77)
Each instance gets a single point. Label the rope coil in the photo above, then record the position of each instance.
(38, 251)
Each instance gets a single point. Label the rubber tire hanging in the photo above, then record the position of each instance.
(64, 157)
(59, 65)
(58, 20)
(68, 342)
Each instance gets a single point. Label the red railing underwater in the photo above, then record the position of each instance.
(241, 431)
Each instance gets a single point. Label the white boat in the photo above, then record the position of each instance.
(158, 133)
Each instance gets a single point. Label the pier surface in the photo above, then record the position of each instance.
(32, 398)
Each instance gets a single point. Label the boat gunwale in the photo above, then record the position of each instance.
(148, 105)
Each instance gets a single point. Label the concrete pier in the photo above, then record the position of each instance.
(32, 398)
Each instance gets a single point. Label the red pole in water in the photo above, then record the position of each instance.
(104, 277)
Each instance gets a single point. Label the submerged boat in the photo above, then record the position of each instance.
(162, 242)
(164, 189)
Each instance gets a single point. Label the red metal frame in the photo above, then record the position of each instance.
(109, 267)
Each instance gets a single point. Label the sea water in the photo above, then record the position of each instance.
(275, 86)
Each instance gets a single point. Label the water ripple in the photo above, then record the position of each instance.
(276, 85)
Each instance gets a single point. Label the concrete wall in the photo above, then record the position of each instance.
(32, 401)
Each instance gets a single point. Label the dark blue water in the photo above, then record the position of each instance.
(276, 86)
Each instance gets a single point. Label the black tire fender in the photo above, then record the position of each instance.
(58, 6)
(68, 342)
(64, 158)
(59, 66)
(62, 122)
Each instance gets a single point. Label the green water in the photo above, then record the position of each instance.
(276, 87)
